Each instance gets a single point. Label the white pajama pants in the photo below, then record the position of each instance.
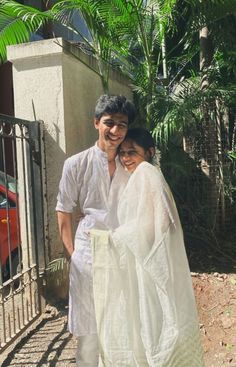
(87, 351)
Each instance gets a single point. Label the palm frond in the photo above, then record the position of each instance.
(17, 23)
(207, 12)
(57, 265)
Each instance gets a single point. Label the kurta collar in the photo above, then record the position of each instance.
(103, 155)
(99, 151)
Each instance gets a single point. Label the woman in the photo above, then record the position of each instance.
(144, 300)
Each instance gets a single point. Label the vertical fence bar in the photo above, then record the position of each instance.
(13, 313)
(3, 319)
(13, 148)
(18, 318)
(37, 207)
(23, 310)
(26, 214)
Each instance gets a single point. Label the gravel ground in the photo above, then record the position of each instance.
(216, 300)
(48, 345)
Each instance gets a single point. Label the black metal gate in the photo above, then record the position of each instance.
(22, 246)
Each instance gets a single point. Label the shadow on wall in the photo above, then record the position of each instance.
(55, 158)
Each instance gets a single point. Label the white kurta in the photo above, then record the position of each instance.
(86, 182)
(144, 300)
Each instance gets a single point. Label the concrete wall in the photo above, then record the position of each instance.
(58, 84)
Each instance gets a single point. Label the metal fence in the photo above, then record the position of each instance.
(22, 255)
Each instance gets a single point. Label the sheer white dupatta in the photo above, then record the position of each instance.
(144, 301)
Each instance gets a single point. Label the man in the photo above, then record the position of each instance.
(95, 180)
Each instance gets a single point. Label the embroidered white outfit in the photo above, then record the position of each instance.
(144, 300)
(86, 182)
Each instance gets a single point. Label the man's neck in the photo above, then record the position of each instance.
(111, 153)
(111, 156)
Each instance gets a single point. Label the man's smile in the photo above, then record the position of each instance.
(113, 138)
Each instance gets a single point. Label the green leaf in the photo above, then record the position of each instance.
(17, 23)
(57, 265)
(231, 155)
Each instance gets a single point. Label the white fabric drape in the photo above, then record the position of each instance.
(144, 302)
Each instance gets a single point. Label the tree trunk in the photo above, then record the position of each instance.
(211, 148)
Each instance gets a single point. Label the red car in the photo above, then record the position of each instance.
(9, 226)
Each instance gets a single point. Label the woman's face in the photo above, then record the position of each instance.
(131, 155)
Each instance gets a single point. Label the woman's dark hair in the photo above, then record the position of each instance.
(107, 105)
(141, 137)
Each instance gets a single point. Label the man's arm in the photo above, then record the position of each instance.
(66, 233)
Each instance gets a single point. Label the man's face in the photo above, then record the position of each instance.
(112, 130)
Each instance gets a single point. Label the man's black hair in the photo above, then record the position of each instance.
(108, 105)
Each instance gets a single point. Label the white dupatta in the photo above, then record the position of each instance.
(144, 302)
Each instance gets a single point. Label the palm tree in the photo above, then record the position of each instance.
(213, 91)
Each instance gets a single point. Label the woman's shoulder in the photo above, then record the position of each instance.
(149, 174)
(150, 177)
(148, 169)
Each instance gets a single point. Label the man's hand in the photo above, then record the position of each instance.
(66, 233)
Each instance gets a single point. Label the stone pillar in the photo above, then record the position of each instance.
(58, 84)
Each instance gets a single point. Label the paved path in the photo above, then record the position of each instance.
(49, 345)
